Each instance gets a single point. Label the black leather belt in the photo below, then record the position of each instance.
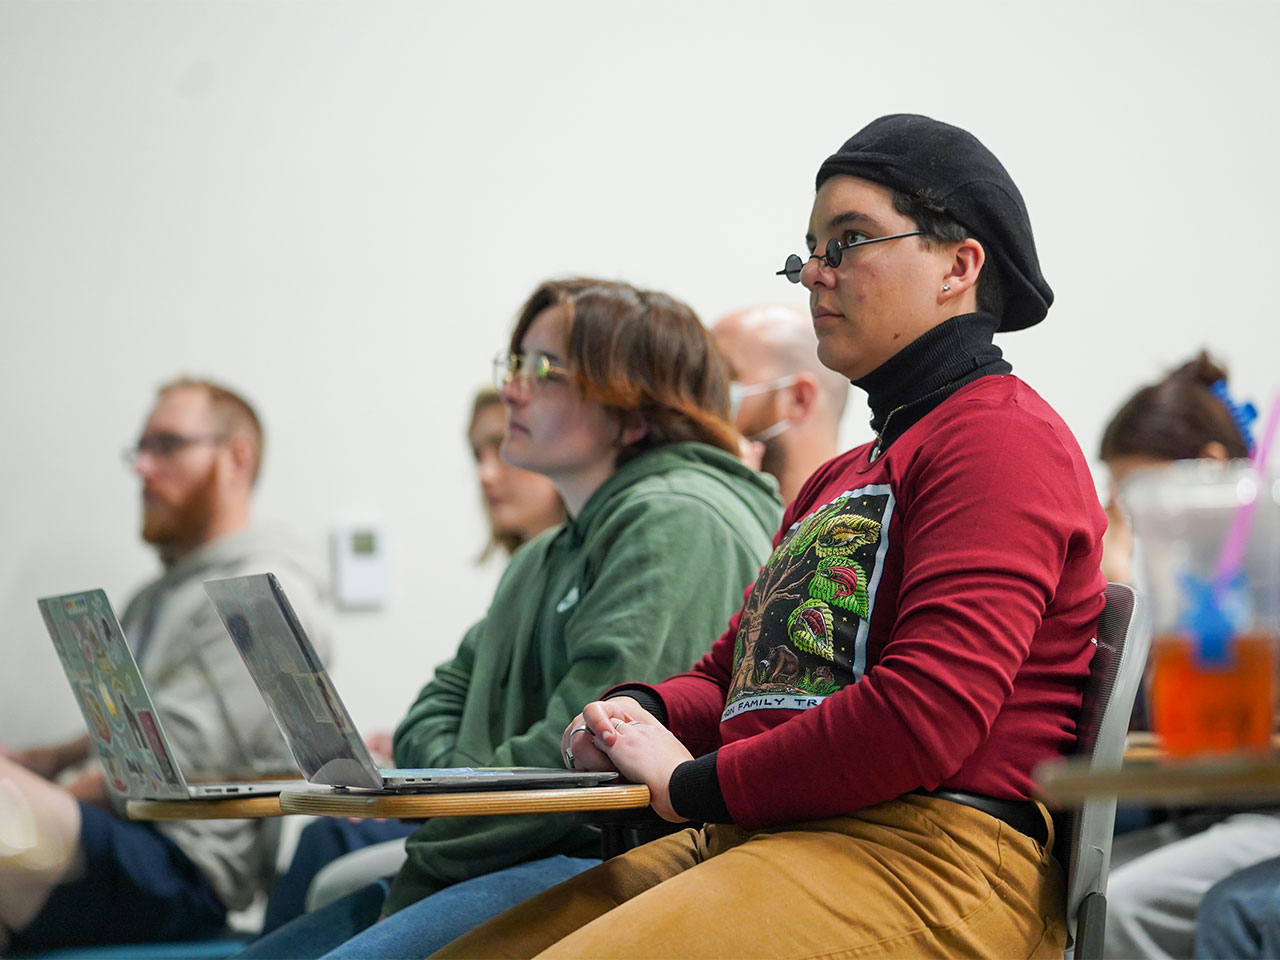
(1023, 815)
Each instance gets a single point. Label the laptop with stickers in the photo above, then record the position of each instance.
(325, 742)
(122, 719)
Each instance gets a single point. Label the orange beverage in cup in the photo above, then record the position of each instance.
(1199, 707)
(1214, 589)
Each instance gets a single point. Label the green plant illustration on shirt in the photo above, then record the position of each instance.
(841, 535)
(841, 582)
(810, 627)
(795, 633)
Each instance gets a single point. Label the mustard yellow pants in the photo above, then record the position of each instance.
(914, 877)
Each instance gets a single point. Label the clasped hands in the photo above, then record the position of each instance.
(619, 734)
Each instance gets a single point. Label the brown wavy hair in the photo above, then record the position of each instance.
(1176, 418)
(644, 352)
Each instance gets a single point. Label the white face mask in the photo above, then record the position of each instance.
(740, 391)
(768, 433)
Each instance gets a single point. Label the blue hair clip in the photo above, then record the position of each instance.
(1243, 413)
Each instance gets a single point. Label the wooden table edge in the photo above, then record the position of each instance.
(413, 806)
(223, 808)
(1238, 781)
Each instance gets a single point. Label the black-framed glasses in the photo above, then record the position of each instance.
(525, 370)
(165, 446)
(834, 254)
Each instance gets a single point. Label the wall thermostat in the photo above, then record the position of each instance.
(360, 575)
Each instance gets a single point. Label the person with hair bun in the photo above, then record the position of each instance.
(1181, 417)
(1160, 873)
(618, 397)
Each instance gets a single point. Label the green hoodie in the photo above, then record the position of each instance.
(635, 588)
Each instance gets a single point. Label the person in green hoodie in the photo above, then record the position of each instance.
(619, 397)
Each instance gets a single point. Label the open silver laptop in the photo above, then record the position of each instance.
(124, 723)
(314, 721)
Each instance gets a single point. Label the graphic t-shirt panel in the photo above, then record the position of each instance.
(803, 632)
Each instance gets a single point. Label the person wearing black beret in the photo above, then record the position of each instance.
(854, 755)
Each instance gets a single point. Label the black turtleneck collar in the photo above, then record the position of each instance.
(928, 370)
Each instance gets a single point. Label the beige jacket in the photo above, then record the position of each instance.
(214, 716)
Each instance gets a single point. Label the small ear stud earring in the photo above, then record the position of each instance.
(946, 287)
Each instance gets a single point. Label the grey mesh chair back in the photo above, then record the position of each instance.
(1124, 637)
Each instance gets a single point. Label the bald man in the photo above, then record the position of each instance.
(787, 402)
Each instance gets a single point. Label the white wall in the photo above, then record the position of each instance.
(337, 207)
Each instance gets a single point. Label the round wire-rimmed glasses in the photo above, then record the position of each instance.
(525, 369)
(834, 254)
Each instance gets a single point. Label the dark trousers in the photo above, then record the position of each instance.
(139, 887)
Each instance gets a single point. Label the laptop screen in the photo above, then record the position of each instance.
(108, 687)
(320, 733)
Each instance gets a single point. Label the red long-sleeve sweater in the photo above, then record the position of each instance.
(926, 620)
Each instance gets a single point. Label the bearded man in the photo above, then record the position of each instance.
(108, 879)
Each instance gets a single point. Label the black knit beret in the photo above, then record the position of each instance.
(916, 155)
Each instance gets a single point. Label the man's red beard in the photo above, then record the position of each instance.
(183, 523)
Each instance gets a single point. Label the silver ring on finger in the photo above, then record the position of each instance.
(580, 728)
(569, 760)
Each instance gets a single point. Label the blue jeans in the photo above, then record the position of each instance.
(1240, 916)
(314, 934)
(347, 928)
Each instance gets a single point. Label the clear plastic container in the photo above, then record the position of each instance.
(1213, 656)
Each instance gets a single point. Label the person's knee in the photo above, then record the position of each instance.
(1227, 922)
(41, 847)
(1219, 913)
(1221, 897)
